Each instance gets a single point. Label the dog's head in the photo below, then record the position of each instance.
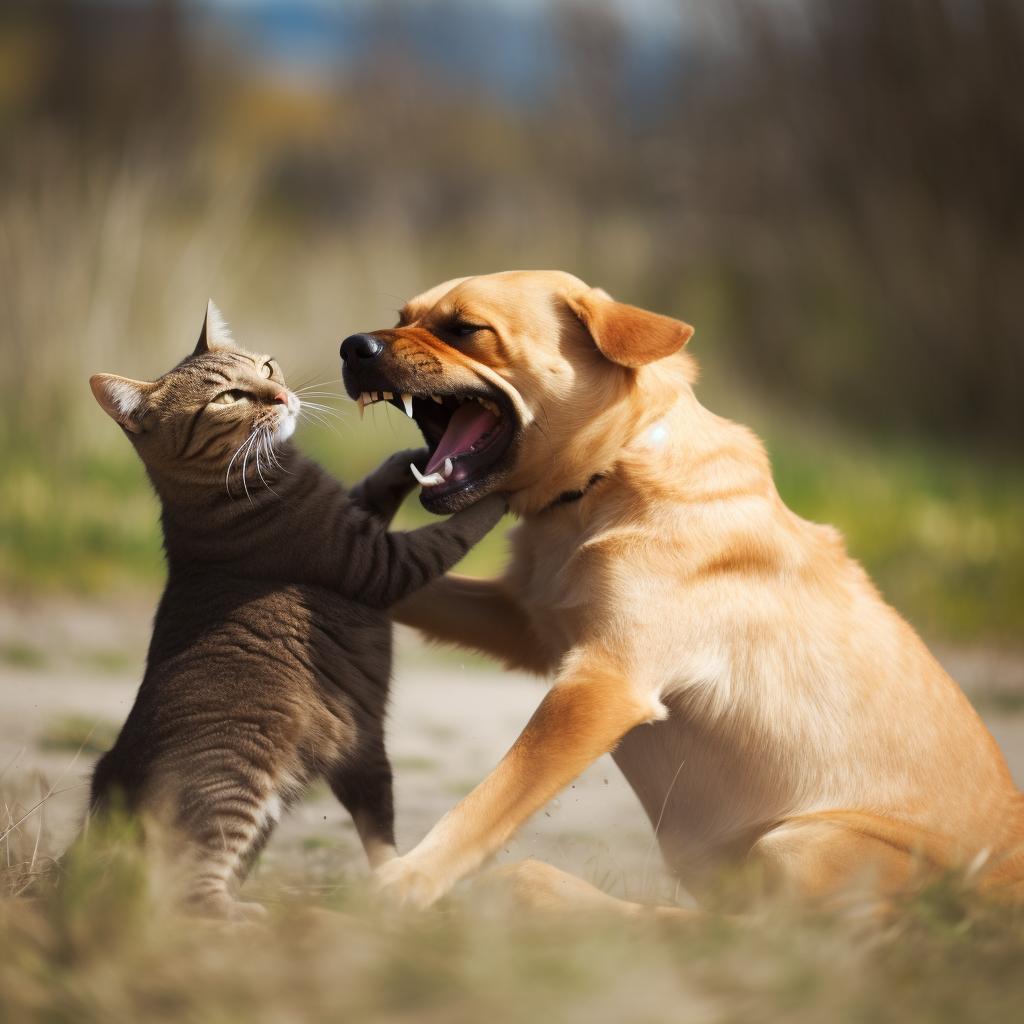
(525, 382)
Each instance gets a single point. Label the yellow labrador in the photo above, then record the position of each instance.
(763, 701)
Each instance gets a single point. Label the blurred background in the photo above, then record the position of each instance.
(831, 192)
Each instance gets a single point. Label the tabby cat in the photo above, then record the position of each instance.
(271, 652)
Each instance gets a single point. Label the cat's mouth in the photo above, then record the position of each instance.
(467, 435)
(286, 415)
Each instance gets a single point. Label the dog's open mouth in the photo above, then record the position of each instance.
(466, 435)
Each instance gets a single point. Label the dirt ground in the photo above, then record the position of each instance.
(67, 666)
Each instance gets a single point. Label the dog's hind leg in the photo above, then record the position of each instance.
(541, 888)
(836, 855)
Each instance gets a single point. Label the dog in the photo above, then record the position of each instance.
(770, 711)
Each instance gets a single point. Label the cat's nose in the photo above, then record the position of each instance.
(360, 348)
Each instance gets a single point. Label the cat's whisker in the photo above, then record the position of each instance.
(267, 440)
(259, 471)
(314, 410)
(322, 400)
(238, 450)
(245, 460)
(326, 409)
(315, 379)
(332, 410)
(333, 429)
(336, 410)
(267, 431)
(324, 422)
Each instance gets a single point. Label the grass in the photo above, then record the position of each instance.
(22, 655)
(941, 534)
(77, 733)
(108, 660)
(94, 949)
(87, 525)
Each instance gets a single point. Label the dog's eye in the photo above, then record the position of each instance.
(464, 330)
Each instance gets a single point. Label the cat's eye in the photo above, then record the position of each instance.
(267, 370)
(228, 397)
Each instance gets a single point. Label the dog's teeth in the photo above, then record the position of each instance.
(360, 402)
(426, 481)
(447, 467)
(387, 396)
(373, 396)
(489, 406)
(438, 399)
(407, 402)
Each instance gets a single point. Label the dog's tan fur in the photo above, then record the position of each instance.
(763, 701)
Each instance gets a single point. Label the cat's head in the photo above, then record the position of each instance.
(217, 415)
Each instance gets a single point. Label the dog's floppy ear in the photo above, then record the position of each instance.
(628, 335)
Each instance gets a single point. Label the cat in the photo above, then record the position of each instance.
(270, 659)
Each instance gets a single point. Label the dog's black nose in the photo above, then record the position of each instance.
(361, 348)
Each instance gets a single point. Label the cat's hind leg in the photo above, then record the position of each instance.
(223, 839)
(363, 784)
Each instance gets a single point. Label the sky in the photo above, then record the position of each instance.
(643, 15)
(504, 45)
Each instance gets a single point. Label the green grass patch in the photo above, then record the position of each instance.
(313, 843)
(22, 655)
(86, 526)
(941, 534)
(108, 660)
(415, 764)
(76, 732)
(96, 948)
(1000, 703)
(316, 791)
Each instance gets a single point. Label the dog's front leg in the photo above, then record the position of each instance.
(479, 614)
(591, 706)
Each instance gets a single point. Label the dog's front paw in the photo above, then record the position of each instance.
(403, 884)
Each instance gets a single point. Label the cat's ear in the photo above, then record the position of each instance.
(123, 400)
(215, 333)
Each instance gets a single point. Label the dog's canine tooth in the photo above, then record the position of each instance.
(426, 481)
(407, 402)
(447, 467)
(360, 402)
(438, 399)
(387, 396)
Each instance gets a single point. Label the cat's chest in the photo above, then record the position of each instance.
(299, 624)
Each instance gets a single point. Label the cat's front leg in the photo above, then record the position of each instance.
(384, 569)
(383, 490)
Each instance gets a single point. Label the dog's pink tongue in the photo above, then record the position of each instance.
(468, 424)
